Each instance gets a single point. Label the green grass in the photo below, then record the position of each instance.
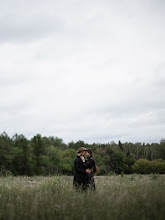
(116, 197)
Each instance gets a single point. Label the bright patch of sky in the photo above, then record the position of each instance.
(83, 70)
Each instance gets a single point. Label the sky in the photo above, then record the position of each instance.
(91, 70)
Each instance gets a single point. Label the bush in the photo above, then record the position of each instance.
(143, 166)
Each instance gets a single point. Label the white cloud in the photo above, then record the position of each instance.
(90, 70)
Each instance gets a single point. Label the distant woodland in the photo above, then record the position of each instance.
(51, 156)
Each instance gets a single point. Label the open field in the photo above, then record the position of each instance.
(116, 197)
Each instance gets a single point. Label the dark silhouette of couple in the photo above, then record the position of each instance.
(84, 170)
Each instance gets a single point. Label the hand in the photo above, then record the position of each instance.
(82, 158)
(88, 171)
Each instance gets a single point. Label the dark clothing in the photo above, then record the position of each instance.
(90, 163)
(79, 180)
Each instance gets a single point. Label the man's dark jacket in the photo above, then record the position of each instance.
(79, 172)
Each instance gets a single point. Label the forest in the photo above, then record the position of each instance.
(51, 156)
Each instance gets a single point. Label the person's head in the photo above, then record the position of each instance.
(81, 151)
(89, 153)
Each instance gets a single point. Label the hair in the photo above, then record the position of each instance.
(95, 169)
(81, 149)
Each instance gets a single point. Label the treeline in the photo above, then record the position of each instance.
(50, 156)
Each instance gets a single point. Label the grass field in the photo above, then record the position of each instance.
(116, 197)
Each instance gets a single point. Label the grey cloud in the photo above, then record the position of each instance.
(159, 76)
(14, 109)
(28, 30)
(11, 81)
(25, 22)
(91, 70)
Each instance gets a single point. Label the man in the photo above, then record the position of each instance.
(80, 171)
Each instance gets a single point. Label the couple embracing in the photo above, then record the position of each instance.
(84, 169)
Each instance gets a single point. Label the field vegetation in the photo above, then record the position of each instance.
(122, 196)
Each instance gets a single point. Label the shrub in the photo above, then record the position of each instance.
(145, 167)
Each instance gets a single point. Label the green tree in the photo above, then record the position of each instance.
(22, 155)
(38, 149)
(120, 145)
(6, 152)
(67, 162)
(55, 156)
(116, 161)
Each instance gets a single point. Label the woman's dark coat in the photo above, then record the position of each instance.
(90, 164)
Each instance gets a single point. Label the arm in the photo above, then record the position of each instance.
(77, 168)
(89, 164)
(85, 165)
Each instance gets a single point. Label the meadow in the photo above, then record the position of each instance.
(116, 197)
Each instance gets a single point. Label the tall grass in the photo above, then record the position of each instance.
(116, 197)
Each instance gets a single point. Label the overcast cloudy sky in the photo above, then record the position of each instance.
(91, 70)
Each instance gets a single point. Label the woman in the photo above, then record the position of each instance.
(90, 164)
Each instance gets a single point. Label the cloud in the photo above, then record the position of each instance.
(23, 22)
(90, 70)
